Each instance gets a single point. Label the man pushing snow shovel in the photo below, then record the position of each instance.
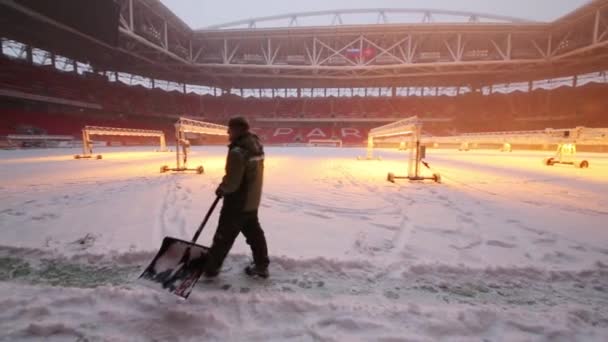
(241, 189)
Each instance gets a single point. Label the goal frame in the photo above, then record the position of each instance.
(323, 142)
(88, 131)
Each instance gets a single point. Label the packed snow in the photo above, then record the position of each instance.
(505, 249)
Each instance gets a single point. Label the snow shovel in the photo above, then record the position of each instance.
(178, 264)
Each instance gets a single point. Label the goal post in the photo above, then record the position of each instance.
(38, 140)
(325, 142)
(88, 131)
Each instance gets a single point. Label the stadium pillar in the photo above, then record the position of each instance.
(131, 26)
(52, 55)
(394, 91)
(28, 52)
(166, 34)
(575, 81)
(299, 92)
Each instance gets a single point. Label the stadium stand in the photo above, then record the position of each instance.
(120, 105)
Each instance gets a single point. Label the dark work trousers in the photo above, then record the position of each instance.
(231, 223)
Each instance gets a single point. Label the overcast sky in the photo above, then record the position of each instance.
(202, 13)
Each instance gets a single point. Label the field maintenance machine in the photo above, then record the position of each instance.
(412, 128)
(566, 140)
(183, 127)
(566, 154)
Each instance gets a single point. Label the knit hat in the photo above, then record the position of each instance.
(238, 122)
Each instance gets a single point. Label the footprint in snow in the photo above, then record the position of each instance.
(44, 217)
(500, 244)
(362, 218)
(558, 257)
(317, 215)
(15, 213)
(391, 294)
(468, 246)
(466, 219)
(543, 241)
(386, 226)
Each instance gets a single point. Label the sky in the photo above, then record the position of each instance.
(202, 13)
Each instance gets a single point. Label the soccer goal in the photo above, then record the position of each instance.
(325, 142)
(38, 140)
(87, 143)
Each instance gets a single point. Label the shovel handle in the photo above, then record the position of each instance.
(200, 229)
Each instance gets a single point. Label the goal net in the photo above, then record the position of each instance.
(325, 142)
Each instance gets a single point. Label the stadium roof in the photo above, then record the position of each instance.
(482, 49)
(200, 14)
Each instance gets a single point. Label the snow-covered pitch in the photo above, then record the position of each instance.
(505, 249)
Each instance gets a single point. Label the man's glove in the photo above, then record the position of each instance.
(219, 192)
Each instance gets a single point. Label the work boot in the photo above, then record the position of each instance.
(255, 271)
(210, 274)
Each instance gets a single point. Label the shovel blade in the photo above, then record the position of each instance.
(176, 267)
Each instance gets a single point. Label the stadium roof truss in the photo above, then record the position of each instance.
(375, 15)
(480, 49)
